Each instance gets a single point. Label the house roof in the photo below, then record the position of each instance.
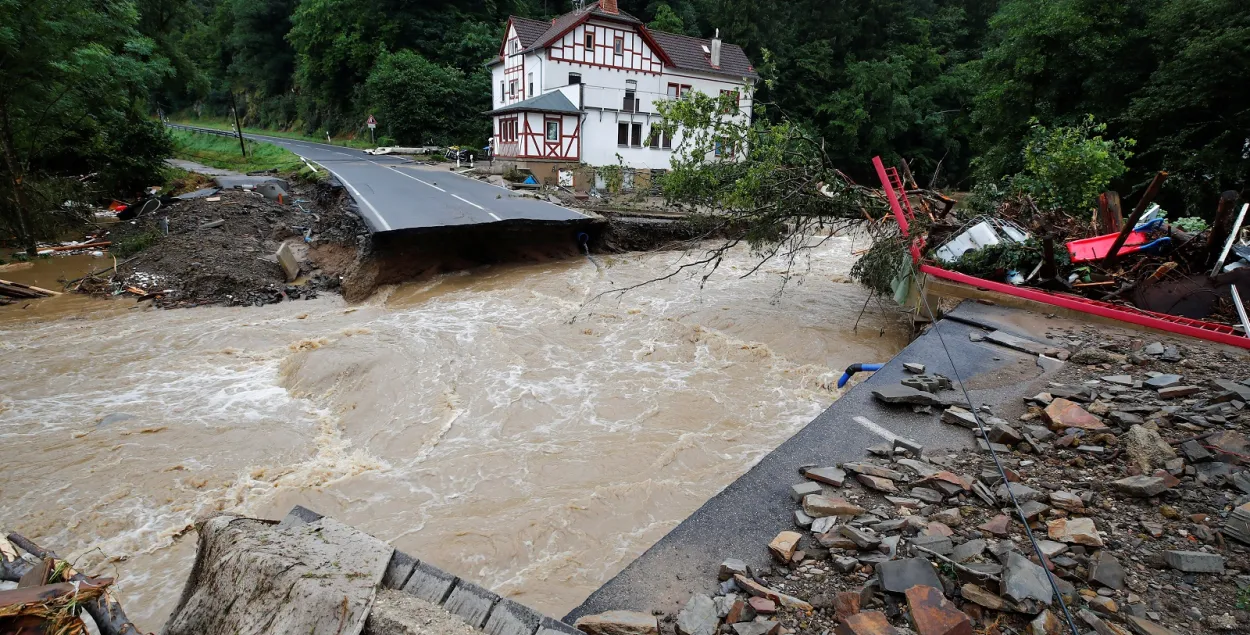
(687, 53)
(562, 24)
(529, 30)
(679, 51)
(554, 101)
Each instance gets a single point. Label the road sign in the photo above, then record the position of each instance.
(373, 123)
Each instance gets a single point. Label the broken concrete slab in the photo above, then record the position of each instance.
(1062, 414)
(259, 567)
(1194, 561)
(827, 475)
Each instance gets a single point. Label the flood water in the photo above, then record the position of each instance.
(491, 422)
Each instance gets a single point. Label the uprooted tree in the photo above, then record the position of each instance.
(751, 180)
(75, 75)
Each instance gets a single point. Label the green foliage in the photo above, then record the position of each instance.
(993, 261)
(1066, 167)
(419, 102)
(1191, 224)
(74, 73)
(666, 20)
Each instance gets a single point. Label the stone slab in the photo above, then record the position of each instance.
(471, 602)
(510, 618)
(430, 583)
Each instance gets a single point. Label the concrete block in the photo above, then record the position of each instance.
(286, 260)
(398, 570)
(471, 602)
(555, 627)
(510, 618)
(299, 515)
(430, 583)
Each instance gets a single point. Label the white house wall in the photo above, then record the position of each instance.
(604, 78)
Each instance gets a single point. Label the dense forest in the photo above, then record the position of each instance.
(951, 85)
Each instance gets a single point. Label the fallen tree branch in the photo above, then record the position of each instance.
(108, 614)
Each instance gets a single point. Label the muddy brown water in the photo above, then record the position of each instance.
(491, 422)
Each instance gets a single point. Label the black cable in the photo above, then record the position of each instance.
(1001, 472)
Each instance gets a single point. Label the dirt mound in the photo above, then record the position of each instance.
(221, 251)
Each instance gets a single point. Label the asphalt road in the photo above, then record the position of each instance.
(393, 194)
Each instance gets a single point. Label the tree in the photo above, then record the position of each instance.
(75, 74)
(666, 20)
(421, 102)
(1067, 167)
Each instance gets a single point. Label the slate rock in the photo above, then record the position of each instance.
(698, 617)
(731, 566)
(1023, 580)
(940, 545)
(899, 394)
(962, 417)
(932, 614)
(1022, 493)
(1162, 381)
(1146, 449)
(1176, 392)
(800, 490)
(978, 595)
(828, 475)
(1141, 486)
(866, 623)
(897, 576)
(968, 550)
(765, 627)
(1062, 414)
(619, 623)
(818, 506)
(1106, 570)
(876, 483)
(1074, 531)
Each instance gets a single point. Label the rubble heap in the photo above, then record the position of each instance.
(1130, 470)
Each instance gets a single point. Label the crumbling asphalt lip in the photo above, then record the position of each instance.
(751, 511)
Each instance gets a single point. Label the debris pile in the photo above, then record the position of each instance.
(233, 247)
(1139, 259)
(51, 597)
(1132, 471)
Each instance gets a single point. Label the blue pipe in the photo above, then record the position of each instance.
(855, 368)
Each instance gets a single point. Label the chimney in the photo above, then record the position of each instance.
(608, 6)
(716, 50)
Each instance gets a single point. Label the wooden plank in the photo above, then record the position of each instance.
(45, 592)
(29, 287)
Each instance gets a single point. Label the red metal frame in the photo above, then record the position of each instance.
(1200, 329)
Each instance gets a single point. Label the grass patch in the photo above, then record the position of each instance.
(176, 181)
(223, 124)
(135, 244)
(224, 153)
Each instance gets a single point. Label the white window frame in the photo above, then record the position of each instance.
(553, 124)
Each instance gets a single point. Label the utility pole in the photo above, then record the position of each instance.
(238, 128)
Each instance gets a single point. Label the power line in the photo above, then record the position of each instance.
(1050, 577)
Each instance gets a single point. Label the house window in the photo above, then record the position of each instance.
(630, 103)
(636, 136)
(734, 107)
(503, 94)
(507, 130)
(553, 131)
(618, 45)
(660, 139)
(575, 78)
(590, 40)
(677, 91)
(531, 85)
(622, 133)
(512, 88)
(515, 45)
(724, 149)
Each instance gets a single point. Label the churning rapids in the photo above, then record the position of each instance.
(491, 422)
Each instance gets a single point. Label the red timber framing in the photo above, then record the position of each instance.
(514, 67)
(530, 140)
(639, 51)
